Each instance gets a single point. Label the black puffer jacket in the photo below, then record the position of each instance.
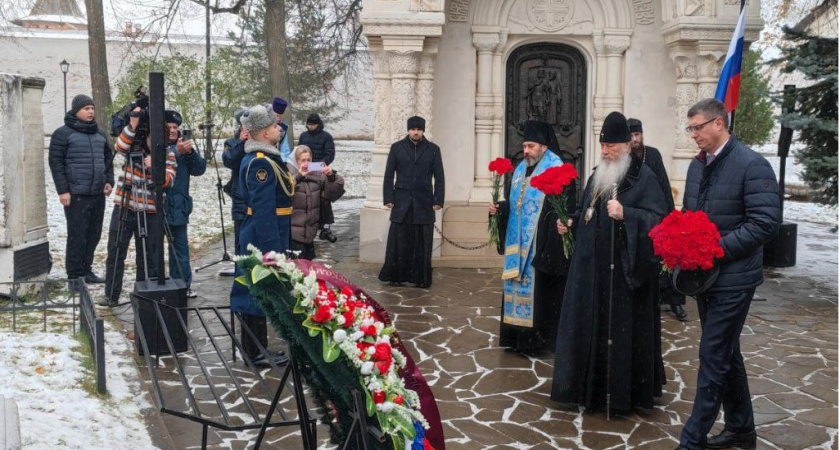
(319, 141)
(739, 192)
(80, 158)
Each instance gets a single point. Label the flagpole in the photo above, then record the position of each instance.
(732, 118)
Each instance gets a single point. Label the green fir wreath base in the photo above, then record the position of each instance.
(330, 383)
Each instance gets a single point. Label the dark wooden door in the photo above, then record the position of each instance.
(547, 82)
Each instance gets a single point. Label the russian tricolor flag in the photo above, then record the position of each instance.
(730, 76)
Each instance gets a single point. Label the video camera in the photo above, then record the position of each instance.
(121, 118)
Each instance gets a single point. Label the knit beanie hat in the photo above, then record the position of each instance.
(257, 117)
(79, 102)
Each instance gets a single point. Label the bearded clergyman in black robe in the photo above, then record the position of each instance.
(611, 290)
(535, 266)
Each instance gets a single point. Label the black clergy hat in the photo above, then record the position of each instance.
(615, 129)
(541, 133)
(635, 125)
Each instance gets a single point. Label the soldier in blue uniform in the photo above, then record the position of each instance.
(267, 189)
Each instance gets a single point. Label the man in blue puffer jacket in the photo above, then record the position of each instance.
(737, 188)
(179, 203)
(81, 166)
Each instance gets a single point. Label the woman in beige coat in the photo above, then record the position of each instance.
(311, 187)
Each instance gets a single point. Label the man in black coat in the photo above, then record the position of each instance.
(323, 150)
(414, 161)
(608, 355)
(653, 159)
(737, 188)
(234, 151)
(80, 163)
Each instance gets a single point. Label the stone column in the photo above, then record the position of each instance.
(497, 149)
(485, 43)
(382, 123)
(24, 249)
(425, 85)
(403, 65)
(610, 46)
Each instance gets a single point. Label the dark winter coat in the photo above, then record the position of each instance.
(80, 158)
(309, 190)
(653, 159)
(414, 165)
(232, 158)
(588, 319)
(179, 202)
(739, 192)
(319, 141)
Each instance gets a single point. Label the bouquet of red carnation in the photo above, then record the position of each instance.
(553, 182)
(499, 167)
(688, 240)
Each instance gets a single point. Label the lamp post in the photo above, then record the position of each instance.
(65, 66)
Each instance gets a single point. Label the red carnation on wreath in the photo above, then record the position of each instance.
(499, 167)
(553, 182)
(688, 240)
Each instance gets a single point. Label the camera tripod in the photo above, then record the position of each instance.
(208, 127)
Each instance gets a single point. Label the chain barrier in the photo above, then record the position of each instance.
(457, 245)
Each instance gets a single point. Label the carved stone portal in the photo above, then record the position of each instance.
(547, 82)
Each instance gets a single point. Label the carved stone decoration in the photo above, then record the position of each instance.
(709, 64)
(686, 67)
(425, 89)
(550, 15)
(382, 92)
(426, 5)
(695, 7)
(484, 112)
(459, 10)
(616, 45)
(732, 2)
(403, 105)
(485, 42)
(686, 96)
(400, 62)
(643, 12)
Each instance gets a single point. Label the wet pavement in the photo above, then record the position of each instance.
(490, 398)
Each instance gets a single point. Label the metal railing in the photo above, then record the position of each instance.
(19, 303)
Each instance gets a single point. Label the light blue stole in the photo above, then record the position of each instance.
(520, 243)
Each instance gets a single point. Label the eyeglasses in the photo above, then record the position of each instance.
(697, 128)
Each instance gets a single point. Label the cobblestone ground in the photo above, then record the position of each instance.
(493, 399)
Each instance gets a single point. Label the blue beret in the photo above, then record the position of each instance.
(279, 105)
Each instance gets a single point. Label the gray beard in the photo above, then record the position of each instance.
(609, 173)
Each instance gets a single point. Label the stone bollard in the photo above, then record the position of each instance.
(24, 248)
(9, 425)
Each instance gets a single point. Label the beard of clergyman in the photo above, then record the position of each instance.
(608, 173)
(533, 161)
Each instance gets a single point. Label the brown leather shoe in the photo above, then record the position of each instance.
(728, 439)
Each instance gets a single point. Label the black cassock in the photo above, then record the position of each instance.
(550, 269)
(581, 353)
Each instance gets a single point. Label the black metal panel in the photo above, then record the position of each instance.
(32, 261)
(547, 82)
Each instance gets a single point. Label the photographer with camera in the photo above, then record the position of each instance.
(316, 184)
(323, 150)
(179, 203)
(78, 159)
(134, 200)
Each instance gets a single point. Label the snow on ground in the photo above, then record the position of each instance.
(42, 372)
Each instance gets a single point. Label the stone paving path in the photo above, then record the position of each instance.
(493, 399)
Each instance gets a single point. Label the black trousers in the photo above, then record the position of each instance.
(722, 378)
(84, 229)
(259, 327)
(123, 228)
